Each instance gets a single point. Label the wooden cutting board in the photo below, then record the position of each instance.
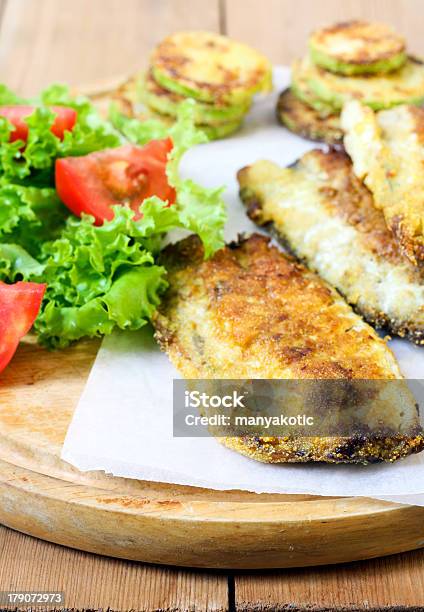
(161, 523)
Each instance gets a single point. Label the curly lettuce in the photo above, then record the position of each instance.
(200, 210)
(16, 263)
(35, 160)
(29, 216)
(99, 278)
(8, 97)
(102, 277)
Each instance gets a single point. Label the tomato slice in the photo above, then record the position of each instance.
(19, 307)
(126, 175)
(65, 120)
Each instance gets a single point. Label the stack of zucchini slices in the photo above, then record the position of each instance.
(220, 74)
(352, 60)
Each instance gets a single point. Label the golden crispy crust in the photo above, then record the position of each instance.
(360, 268)
(261, 301)
(352, 202)
(358, 449)
(387, 150)
(418, 117)
(412, 245)
(252, 312)
(307, 122)
(412, 237)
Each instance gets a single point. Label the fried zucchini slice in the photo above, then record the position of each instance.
(405, 86)
(357, 47)
(387, 149)
(129, 100)
(305, 121)
(252, 312)
(166, 102)
(327, 218)
(216, 132)
(301, 89)
(210, 67)
(213, 132)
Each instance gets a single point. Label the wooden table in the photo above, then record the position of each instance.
(81, 42)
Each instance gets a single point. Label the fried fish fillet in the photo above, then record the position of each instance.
(326, 217)
(387, 150)
(252, 312)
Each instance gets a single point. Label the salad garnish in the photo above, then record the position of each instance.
(85, 203)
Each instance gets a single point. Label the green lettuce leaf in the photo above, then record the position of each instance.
(129, 303)
(134, 296)
(57, 326)
(98, 277)
(134, 130)
(101, 277)
(201, 210)
(5, 129)
(197, 209)
(8, 97)
(16, 263)
(90, 133)
(30, 215)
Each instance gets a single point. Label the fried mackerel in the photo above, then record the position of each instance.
(357, 47)
(327, 218)
(387, 150)
(252, 312)
(305, 121)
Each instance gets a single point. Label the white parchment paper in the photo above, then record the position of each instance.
(123, 423)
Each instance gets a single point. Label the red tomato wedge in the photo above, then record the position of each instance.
(65, 120)
(19, 307)
(126, 175)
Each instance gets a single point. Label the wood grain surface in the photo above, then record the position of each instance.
(391, 582)
(83, 41)
(280, 27)
(90, 581)
(80, 42)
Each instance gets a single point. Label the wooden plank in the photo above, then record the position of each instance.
(94, 582)
(280, 28)
(79, 42)
(395, 582)
(2, 7)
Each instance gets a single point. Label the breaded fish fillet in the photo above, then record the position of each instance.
(252, 312)
(387, 150)
(327, 218)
